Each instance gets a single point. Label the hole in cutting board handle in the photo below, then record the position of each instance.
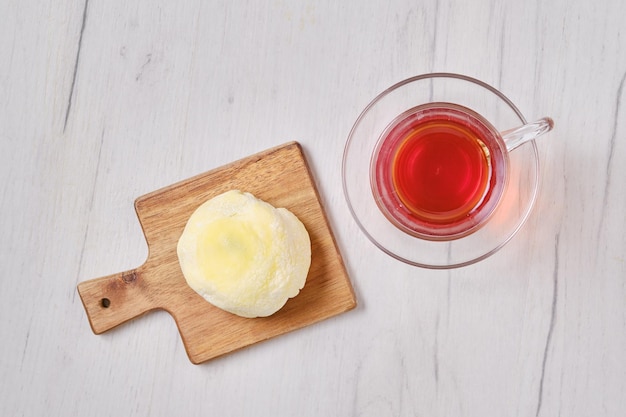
(105, 303)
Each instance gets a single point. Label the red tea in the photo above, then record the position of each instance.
(439, 171)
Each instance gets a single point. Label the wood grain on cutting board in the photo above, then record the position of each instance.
(279, 176)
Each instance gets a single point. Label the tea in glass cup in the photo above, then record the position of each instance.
(439, 170)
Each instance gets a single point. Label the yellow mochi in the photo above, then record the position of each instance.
(243, 255)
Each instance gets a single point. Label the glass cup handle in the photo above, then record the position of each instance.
(522, 134)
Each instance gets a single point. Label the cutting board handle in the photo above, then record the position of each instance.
(114, 299)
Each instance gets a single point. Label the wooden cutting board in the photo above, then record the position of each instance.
(279, 176)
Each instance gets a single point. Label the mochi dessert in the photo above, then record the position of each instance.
(243, 255)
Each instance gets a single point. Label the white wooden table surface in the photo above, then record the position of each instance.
(104, 101)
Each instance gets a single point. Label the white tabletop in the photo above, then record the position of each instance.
(104, 101)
